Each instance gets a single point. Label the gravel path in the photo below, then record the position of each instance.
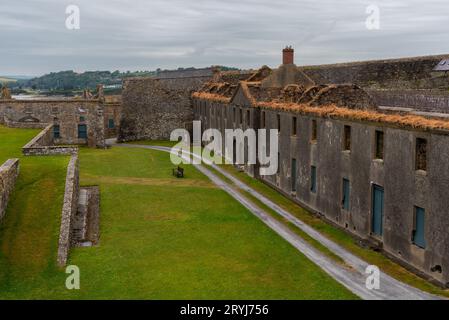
(352, 277)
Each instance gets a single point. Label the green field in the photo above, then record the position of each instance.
(161, 238)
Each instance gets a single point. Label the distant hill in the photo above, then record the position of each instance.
(72, 81)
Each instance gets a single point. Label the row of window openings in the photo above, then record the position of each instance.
(419, 215)
(421, 144)
(420, 148)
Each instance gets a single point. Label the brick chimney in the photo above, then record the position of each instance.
(288, 55)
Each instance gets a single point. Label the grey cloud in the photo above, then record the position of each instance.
(147, 34)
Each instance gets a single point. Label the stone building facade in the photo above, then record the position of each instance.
(381, 177)
(75, 121)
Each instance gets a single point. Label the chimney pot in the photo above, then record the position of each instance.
(288, 55)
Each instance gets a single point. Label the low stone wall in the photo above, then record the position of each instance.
(69, 209)
(9, 172)
(43, 145)
(44, 138)
(49, 150)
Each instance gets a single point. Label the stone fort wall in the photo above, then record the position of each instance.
(152, 108)
(406, 73)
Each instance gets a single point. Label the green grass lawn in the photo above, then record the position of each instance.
(30, 230)
(161, 237)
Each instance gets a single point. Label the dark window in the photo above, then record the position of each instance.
(241, 115)
(56, 132)
(279, 163)
(346, 194)
(314, 130)
(347, 139)
(263, 119)
(378, 210)
(421, 154)
(279, 122)
(82, 119)
(294, 126)
(234, 116)
(313, 179)
(248, 118)
(82, 131)
(418, 233)
(111, 124)
(294, 175)
(379, 145)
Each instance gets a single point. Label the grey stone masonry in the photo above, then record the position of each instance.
(86, 222)
(79, 121)
(9, 172)
(69, 209)
(43, 145)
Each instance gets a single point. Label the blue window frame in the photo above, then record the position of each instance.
(313, 179)
(111, 124)
(418, 233)
(346, 194)
(82, 131)
(56, 132)
(378, 210)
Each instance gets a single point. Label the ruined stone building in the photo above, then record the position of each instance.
(86, 120)
(365, 145)
(376, 169)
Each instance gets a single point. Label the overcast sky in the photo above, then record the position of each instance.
(148, 34)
